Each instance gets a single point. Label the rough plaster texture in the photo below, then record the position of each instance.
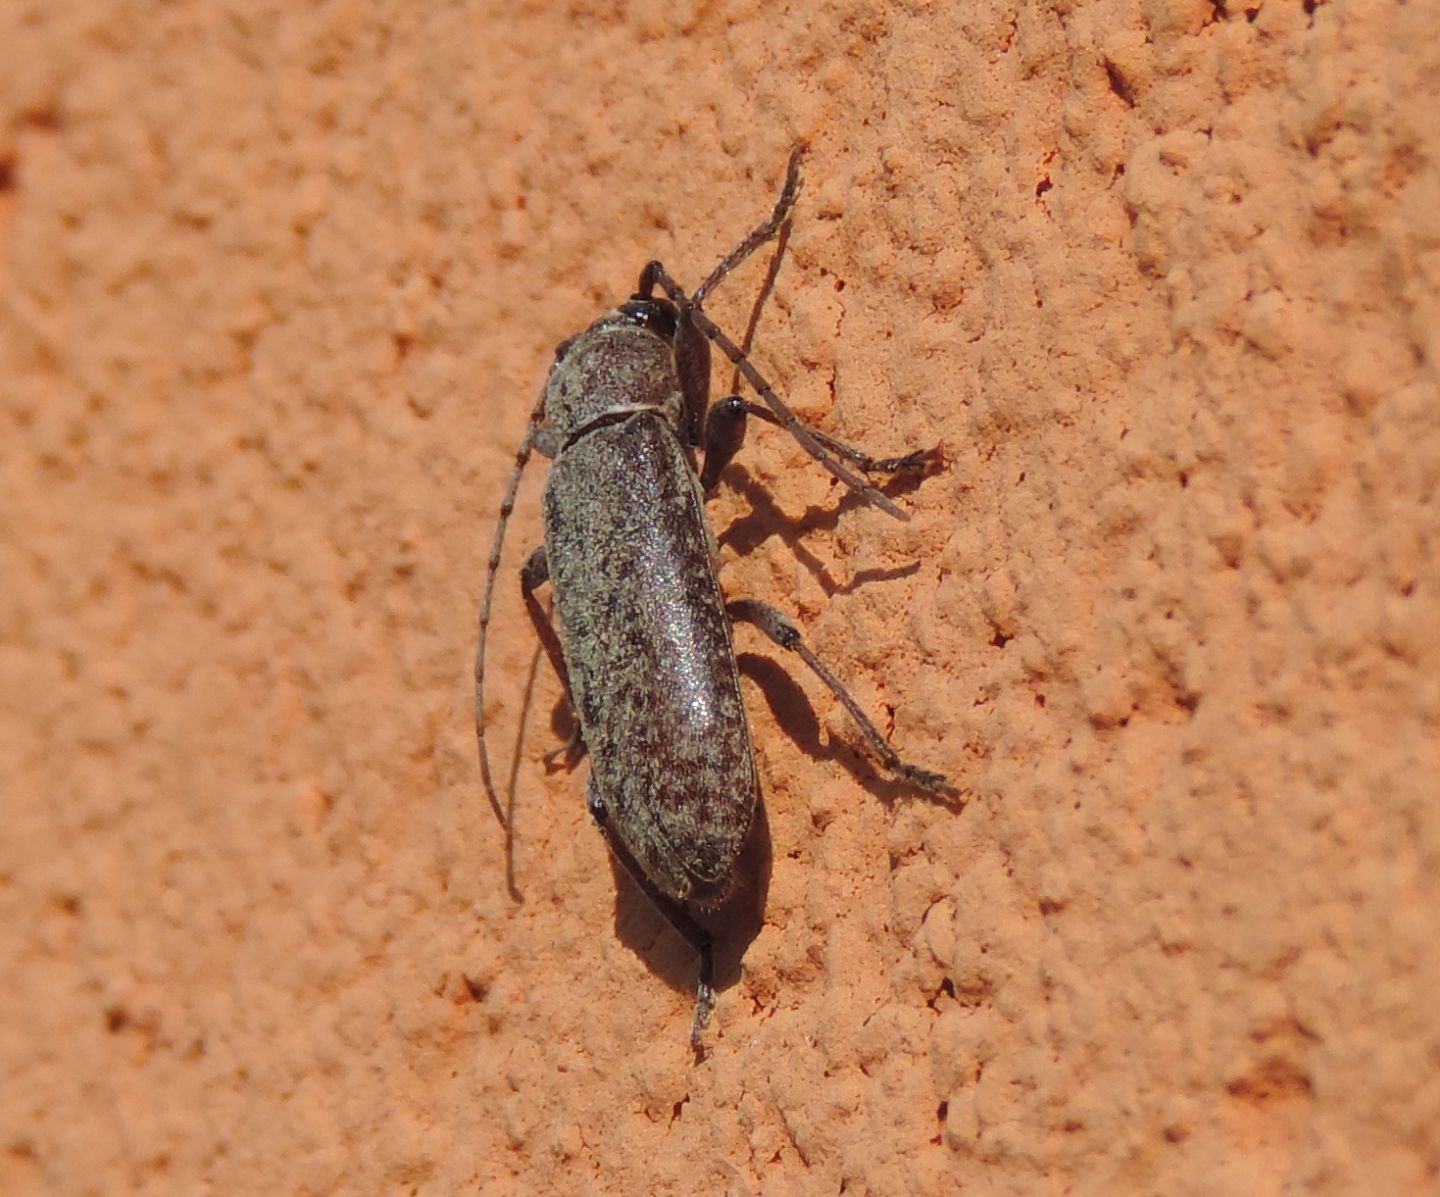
(279, 284)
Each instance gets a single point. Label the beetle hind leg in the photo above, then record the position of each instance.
(784, 633)
(534, 574)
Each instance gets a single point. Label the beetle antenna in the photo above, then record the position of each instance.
(763, 232)
(507, 505)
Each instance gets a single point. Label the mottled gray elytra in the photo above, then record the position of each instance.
(643, 645)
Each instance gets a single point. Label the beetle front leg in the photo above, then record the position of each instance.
(917, 459)
(787, 636)
(724, 434)
(670, 910)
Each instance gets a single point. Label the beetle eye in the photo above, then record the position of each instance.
(658, 315)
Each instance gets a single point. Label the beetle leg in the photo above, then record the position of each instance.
(724, 434)
(670, 910)
(534, 574)
(572, 750)
(787, 636)
(917, 459)
(784, 416)
(547, 442)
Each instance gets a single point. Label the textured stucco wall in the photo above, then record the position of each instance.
(278, 284)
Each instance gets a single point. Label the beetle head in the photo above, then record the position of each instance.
(626, 360)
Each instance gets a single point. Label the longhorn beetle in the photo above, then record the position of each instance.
(643, 647)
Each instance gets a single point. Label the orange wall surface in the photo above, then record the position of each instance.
(279, 284)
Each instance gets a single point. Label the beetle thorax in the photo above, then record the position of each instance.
(613, 366)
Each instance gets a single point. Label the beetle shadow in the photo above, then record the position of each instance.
(733, 923)
(766, 519)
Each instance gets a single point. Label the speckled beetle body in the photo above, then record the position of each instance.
(643, 644)
(643, 631)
